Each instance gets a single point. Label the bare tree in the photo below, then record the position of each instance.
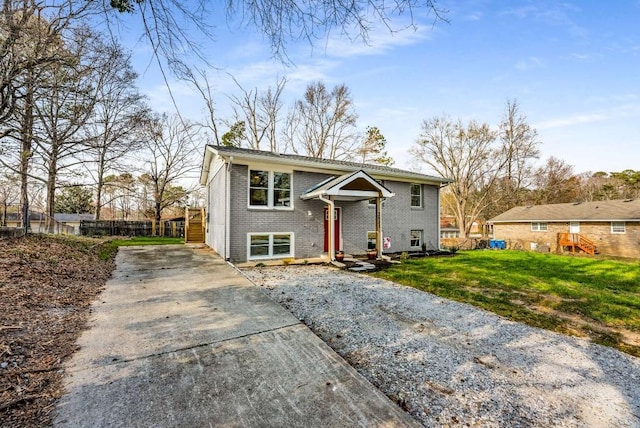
(555, 183)
(467, 154)
(67, 94)
(259, 112)
(172, 157)
(30, 33)
(31, 36)
(114, 130)
(172, 26)
(9, 194)
(202, 83)
(520, 148)
(323, 124)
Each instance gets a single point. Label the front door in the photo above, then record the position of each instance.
(336, 223)
(574, 227)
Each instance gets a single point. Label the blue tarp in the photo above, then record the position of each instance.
(497, 244)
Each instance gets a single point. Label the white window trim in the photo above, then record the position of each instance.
(421, 238)
(270, 255)
(270, 190)
(619, 232)
(415, 207)
(539, 228)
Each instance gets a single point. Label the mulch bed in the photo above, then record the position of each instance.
(47, 285)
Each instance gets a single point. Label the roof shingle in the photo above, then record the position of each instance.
(345, 165)
(615, 210)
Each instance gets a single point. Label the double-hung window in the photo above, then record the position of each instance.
(269, 245)
(618, 227)
(416, 196)
(539, 227)
(416, 238)
(269, 189)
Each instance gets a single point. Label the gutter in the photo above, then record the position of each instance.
(317, 166)
(227, 208)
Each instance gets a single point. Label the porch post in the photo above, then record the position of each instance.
(379, 225)
(332, 229)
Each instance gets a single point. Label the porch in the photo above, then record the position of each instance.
(354, 187)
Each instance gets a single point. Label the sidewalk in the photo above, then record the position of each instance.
(179, 338)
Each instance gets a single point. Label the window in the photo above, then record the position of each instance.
(281, 189)
(270, 245)
(538, 227)
(416, 196)
(416, 238)
(618, 227)
(269, 189)
(371, 240)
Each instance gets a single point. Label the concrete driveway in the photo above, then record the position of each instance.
(180, 338)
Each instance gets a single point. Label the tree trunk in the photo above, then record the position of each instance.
(4, 214)
(26, 135)
(51, 194)
(158, 209)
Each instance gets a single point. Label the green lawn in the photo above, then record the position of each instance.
(584, 296)
(111, 247)
(148, 240)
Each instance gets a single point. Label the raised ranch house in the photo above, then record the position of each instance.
(605, 227)
(263, 205)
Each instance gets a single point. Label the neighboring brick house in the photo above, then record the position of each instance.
(264, 205)
(605, 227)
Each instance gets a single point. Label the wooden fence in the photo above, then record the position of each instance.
(170, 228)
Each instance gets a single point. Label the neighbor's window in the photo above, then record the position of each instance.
(269, 189)
(270, 245)
(416, 196)
(539, 227)
(618, 227)
(371, 240)
(416, 238)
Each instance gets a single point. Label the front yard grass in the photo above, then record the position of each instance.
(590, 297)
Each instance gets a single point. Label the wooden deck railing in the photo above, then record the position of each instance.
(576, 240)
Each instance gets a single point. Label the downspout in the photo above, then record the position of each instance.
(439, 215)
(227, 208)
(331, 224)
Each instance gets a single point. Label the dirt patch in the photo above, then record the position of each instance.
(46, 287)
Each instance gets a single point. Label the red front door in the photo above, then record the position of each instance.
(336, 223)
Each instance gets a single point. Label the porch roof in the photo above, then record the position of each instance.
(356, 186)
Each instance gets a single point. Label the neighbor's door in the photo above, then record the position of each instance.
(336, 222)
(574, 227)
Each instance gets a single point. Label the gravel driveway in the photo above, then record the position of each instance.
(448, 363)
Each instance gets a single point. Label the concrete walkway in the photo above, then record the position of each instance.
(179, 338)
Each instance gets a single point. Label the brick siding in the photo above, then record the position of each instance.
(306, 220)
(519, 235)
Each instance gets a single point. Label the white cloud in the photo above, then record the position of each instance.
(381, 39)
(529, 63)
(578, 119)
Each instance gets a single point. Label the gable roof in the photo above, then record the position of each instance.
(616, 210)
(356, 186)
(327, 166)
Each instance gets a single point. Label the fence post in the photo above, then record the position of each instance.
(186, 225)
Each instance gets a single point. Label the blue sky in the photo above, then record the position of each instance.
(573, 67)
